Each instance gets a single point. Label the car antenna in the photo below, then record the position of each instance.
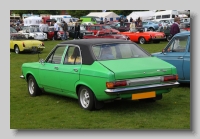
(39, 55)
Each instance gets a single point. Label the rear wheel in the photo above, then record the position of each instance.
(142, 40)
(16, 49)
(151, 29)
(168, 38)
(33, 88)
(86, 98)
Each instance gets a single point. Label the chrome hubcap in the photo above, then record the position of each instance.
(84, 98)
(31, 86)
(142, 40)
(16, 50)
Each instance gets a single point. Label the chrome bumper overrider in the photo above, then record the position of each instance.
(22, 76)
(137, 89)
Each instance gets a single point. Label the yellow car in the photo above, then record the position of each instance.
(19, 43)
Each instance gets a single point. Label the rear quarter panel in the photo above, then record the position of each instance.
(95, 77)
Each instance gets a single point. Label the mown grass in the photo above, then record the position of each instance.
(50, 111)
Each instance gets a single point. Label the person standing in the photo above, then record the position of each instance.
(175, 27)
(105, 20)
(65, 29)
(55, 30)
(131, 19)
(77, 31)
(41, 26)
(121, 22)
(132, 26)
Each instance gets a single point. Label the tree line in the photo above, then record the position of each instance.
(73, 13)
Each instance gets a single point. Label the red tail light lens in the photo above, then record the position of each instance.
(170, 78)
(111, 85)
(23, 44)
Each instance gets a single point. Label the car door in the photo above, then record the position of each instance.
(186, 63)
(70, 70)
(175, 53)
(50, 70)
(11, 42)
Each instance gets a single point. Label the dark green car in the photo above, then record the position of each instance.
(98, 70)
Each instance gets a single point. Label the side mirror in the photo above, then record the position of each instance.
(41, 61)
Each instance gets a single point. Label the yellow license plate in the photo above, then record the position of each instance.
(144, 95)
(158, 36)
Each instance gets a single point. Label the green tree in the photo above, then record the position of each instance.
(79, 13)
(52, 12)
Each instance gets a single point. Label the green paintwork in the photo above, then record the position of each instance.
(66, 81)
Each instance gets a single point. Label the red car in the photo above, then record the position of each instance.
(106, 34)
(144, 37)
(100, 27)
(50, 34)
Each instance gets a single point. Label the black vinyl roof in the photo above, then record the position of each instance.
(86, 47)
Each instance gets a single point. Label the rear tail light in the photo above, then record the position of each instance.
(23, 44)
(42, 43)
(170, 78)
(111, 85)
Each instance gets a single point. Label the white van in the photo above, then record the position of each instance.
(165, 15)
(67, 18)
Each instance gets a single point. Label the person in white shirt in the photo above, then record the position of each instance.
(132, 26)
(55, 30)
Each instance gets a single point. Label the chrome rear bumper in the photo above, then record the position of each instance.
(137, 89)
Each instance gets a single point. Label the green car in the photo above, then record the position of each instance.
(92, 19)
(95, 71)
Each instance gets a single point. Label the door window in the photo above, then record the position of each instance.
(56, 57)
(178, 44)
(73, 56)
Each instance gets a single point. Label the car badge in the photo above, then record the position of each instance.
(162, 70)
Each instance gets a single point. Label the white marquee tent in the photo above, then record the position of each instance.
(144, 15)
(111, 16)
(32, 20)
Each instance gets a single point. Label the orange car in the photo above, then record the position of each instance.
(144, 37)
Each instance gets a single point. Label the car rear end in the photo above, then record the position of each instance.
(134, 74)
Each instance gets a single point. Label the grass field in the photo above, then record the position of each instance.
(50, 111)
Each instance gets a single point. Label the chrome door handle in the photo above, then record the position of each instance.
(180, 57)
(56, 68)
(76, 70)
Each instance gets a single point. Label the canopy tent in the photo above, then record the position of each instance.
(32, 20)
(145, 15)
(182, 15)
(111, 16)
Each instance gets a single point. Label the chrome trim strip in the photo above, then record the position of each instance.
(137, 89)
(22, 76)
(144, 81)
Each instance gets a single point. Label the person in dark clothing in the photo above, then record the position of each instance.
(65, 29)
(175, 27)
(77, 31)
(55, 30)
(131, 19)
(121, 22)
(126, 20)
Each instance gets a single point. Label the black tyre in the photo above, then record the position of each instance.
(86, 98)
(16, 49)
(169, 38)
(33, 88)
(151, 29)
(142, 40)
